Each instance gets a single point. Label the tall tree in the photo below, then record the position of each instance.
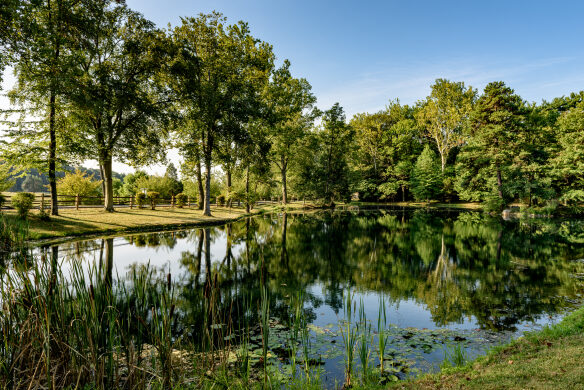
(290, 115)
(118, 100)
(426, 176)
(324, 169)
(42, 50)
(495, 139)
(444, 115)
(217, 74)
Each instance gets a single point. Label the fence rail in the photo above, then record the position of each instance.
(71, 201)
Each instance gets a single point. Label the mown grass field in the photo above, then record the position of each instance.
(87, 221)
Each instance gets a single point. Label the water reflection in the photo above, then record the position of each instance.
(452, 269)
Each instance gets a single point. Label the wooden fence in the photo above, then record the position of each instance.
(43, 200)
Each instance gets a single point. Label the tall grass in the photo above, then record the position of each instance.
(349, 336)
(382, 337)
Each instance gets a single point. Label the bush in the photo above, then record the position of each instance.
(220, 200)
(22, 202)
(140, 200)
(2, 200)
(153, 196)
(181, 200)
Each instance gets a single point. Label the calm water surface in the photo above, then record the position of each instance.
(447, 278)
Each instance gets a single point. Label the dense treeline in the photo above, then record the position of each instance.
(104, 83)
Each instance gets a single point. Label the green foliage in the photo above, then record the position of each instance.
(220, 200)
(181, 200)
(141, 199)
(153, 197)
(164, 185)
(130, 187)
(444, 114)
(22, 202)
(426, 176)
(78, 183)
(324, 169)
(486, 164)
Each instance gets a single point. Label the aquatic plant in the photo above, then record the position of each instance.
(348, 335)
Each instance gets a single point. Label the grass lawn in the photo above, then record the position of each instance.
(87, 221)
(432, 204)
(550, 359)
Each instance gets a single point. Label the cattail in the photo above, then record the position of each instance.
(172, 310)
(168, 280)
(91, 292)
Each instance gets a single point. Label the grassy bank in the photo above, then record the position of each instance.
(89, 221)
(549, 359)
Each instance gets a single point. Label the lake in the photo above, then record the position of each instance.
(445, 278)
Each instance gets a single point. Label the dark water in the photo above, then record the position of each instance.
(446, 277)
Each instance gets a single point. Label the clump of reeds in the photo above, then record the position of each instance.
(349, 336)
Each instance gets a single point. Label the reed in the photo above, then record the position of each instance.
(348, 336)
(382, 337)
(364, 331)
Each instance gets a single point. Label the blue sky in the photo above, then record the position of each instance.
(364, 53)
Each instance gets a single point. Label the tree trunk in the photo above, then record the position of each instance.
(247, 190)
(207, 209)
(284, 184)
(443, 161)
(284, 252)
(53, 155)
(228, 173)
(108, 196)
(199, 175)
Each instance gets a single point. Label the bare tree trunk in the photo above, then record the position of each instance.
(53, 155)
(207, 209)
(201, 203)
(284, 184)
(247, 190)
(228, 173)
(108, 196)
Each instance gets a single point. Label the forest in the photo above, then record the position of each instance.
(95, 80)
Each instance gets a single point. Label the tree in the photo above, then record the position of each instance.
(426, 176)
(290, 115)
(33, 184)
(444, 115)
(78, 183)
(118, 99)
(495, 139)
(171, 175)
(42, 48)
(568, 164)
(217, 74)
(324, 169)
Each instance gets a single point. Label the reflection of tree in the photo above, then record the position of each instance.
(458, 266)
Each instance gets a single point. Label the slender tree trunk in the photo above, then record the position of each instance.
(247, 190)
(108, 196)
(443, 161)
(228, 173)
(53, 155)
(198, 173)
(207, 209)
(284, 184)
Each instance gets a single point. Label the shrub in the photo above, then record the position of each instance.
(22, 202)
(181, 200)
(140, 200)
(221, 200)
(153, 196)
(2, 200)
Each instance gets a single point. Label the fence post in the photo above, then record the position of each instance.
(172, 201)
(43, 202)
(189, 201)
(77, 202)
(131, 202)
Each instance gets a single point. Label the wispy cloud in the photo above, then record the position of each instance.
(534, 80)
